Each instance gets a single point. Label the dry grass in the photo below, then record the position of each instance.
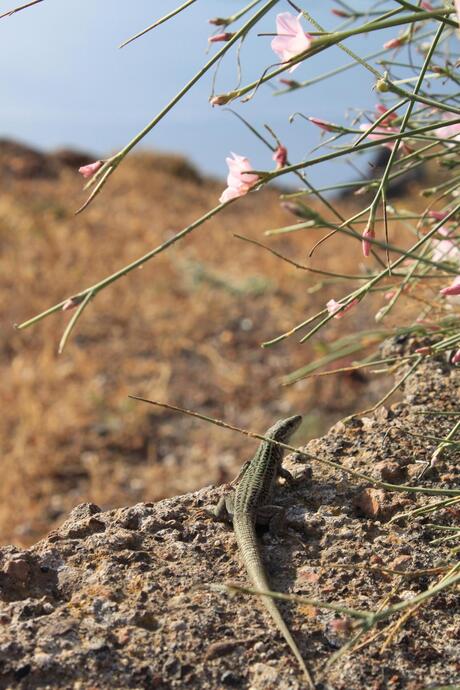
(186, 328)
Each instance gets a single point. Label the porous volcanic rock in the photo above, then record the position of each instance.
(124, 598)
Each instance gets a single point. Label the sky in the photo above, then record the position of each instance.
(65, 82)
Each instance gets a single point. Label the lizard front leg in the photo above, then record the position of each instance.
(284, 474)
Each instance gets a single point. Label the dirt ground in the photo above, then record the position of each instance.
(124, 598)
(187, 328)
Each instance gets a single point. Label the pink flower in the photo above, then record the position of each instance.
(368, 234)
(448, 131)
(280, 157)
(291, 39)
(445, 250)
(453, 289)
(457, 9)
(456, 358)
(90, 169)
(438, 215)
(225, 36)
(381, 110)
(333, 307)
(380, 133)
(239, 181)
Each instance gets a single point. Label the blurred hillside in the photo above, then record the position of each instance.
(187, 328)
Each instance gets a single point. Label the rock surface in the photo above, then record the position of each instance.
(121, 599)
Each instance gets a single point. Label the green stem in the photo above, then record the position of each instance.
(110, 165)
(130, 267)
(445, 442)
(360, 292)
(376, 122)
(344, 48)
(337, 154)
(338, 70)
(386, 613)
(431, 508)
(416, 8)
(158, 22)
(240, 13)
(320, 44)
(74, 319)
(345, 610)
(403, 488)
(405, 253)
(215, 58)
(382, 188)
(9, 13)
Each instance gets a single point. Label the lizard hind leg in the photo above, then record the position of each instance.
(224, 509)
(273, 516)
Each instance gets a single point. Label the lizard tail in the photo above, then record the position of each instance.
(247, 542)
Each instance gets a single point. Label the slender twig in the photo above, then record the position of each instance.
(9, 13)
(71, 325)
(158, 22)
(330, 463)
(97, 287)
(112, 163)
(329, 40)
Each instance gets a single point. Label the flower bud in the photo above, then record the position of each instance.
(368, 234)
(394, 43)
(220, 100)
(72, 302)
(280, 157)
(90, 169)
(218, 21)
(292, 83)
(225, 36)
(323, 124)
(340, 13)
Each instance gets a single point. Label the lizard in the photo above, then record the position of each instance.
(250, 502)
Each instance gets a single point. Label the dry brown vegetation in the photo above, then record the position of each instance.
(186, 328)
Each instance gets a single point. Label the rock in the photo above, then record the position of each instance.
(391, 471)
(18, 569)
(378, 504)
(371, 502)
(401, 562)
(132, 597)
(264, 676)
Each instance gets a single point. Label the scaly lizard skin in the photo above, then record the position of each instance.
(249, 503)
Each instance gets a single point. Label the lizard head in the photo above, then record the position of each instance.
(283, 430)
